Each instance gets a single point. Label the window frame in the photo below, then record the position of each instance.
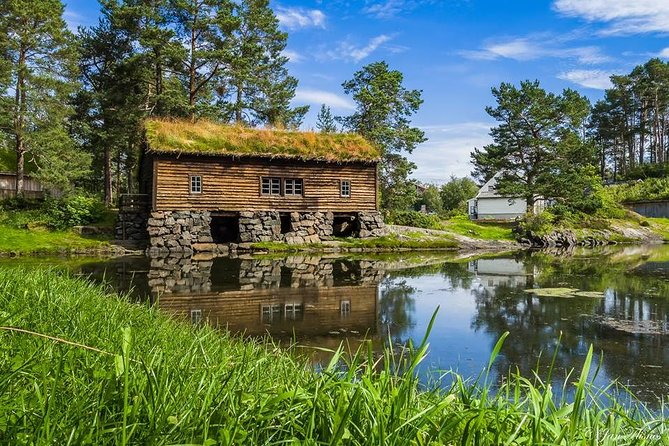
(341, 188)
(271, 185)
(192, 178)
(293, 182)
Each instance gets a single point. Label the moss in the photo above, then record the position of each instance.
(208, 138)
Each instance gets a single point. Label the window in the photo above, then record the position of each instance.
(196, 317)
(292, 311)
(195, 184)
(292, 186)
(345, 308)
(345, 188)
(270, 313)
(271, 186)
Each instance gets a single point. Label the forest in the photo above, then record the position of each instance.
(72, 105)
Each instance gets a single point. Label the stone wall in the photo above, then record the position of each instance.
(179, 231)
(190, 231)
(131, 225)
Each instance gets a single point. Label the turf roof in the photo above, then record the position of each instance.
(208, 138)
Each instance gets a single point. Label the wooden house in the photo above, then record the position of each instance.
(210, 184)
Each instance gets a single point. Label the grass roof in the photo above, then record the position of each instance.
(208, 138)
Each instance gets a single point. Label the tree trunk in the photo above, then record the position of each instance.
(238, 104)
(19, 122)
(108, 177)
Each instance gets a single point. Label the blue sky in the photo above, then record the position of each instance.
(455, 51)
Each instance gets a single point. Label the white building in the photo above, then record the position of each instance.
(488, 204)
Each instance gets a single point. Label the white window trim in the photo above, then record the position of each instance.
(190, 184)
(341, 188)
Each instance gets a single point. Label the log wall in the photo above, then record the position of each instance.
(242, 311)
(235, 185)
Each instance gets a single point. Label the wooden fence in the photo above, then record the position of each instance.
(31, 187)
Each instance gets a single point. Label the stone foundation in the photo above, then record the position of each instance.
(190, 231)
(131, 225)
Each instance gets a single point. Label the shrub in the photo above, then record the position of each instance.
(539, 224)
(415, 219)
(74, 211)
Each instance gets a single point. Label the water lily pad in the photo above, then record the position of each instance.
(564, 292)
(594, 294)
(553, 292)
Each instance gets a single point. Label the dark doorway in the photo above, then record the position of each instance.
(225, 229)
(286, 227)
(345, 225)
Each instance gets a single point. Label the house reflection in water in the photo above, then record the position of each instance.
(300, 296)
(491, 274)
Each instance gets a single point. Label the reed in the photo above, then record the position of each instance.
(90, 367)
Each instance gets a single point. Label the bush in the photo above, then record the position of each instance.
(415, 219)
(74, 211)
(539, 224)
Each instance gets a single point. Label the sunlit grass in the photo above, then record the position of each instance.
(205, 137)
(485, 231)
(39, 240)
(92, 368)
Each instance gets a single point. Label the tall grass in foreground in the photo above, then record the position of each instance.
(112, 372)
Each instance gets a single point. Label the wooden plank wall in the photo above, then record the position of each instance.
(241, 311)
(234, 185)
(32, 188)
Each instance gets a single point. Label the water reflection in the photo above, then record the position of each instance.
(322, 301)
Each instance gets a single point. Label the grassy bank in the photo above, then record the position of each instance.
(34, 231)
(111, 372)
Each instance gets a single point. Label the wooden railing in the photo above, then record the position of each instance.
(133, 203)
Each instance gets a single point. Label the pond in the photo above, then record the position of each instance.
(325, 300)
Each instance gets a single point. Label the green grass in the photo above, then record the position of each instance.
(92, 368)
(395, 242)
(27, 231)
(205, 137)
(485, 231)
(42, 241)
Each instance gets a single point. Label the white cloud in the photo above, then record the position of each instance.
(529, 48)
(293, 56)
(348, 50)
(318, 97)
(596, 79)
(298, 18)
(387, 9)
(623, 16)
(447, 150)
(664, 53)
(74, 20)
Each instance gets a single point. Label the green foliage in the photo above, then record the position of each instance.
(480, 230)
(648, 170)
(628, 124)
(431, 198)
(113, 372)
(415, 219)
(539, 224)
(39, 55)
(456, 192)
(537, 146)
(325, 121)
(649, 189)
(76, 210)
(382, 116)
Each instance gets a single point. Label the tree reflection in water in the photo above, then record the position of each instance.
(397, 306)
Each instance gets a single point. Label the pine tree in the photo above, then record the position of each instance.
(41, 60)
(325, 122)
(384, 109)
(204, 28)
(259, 87)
